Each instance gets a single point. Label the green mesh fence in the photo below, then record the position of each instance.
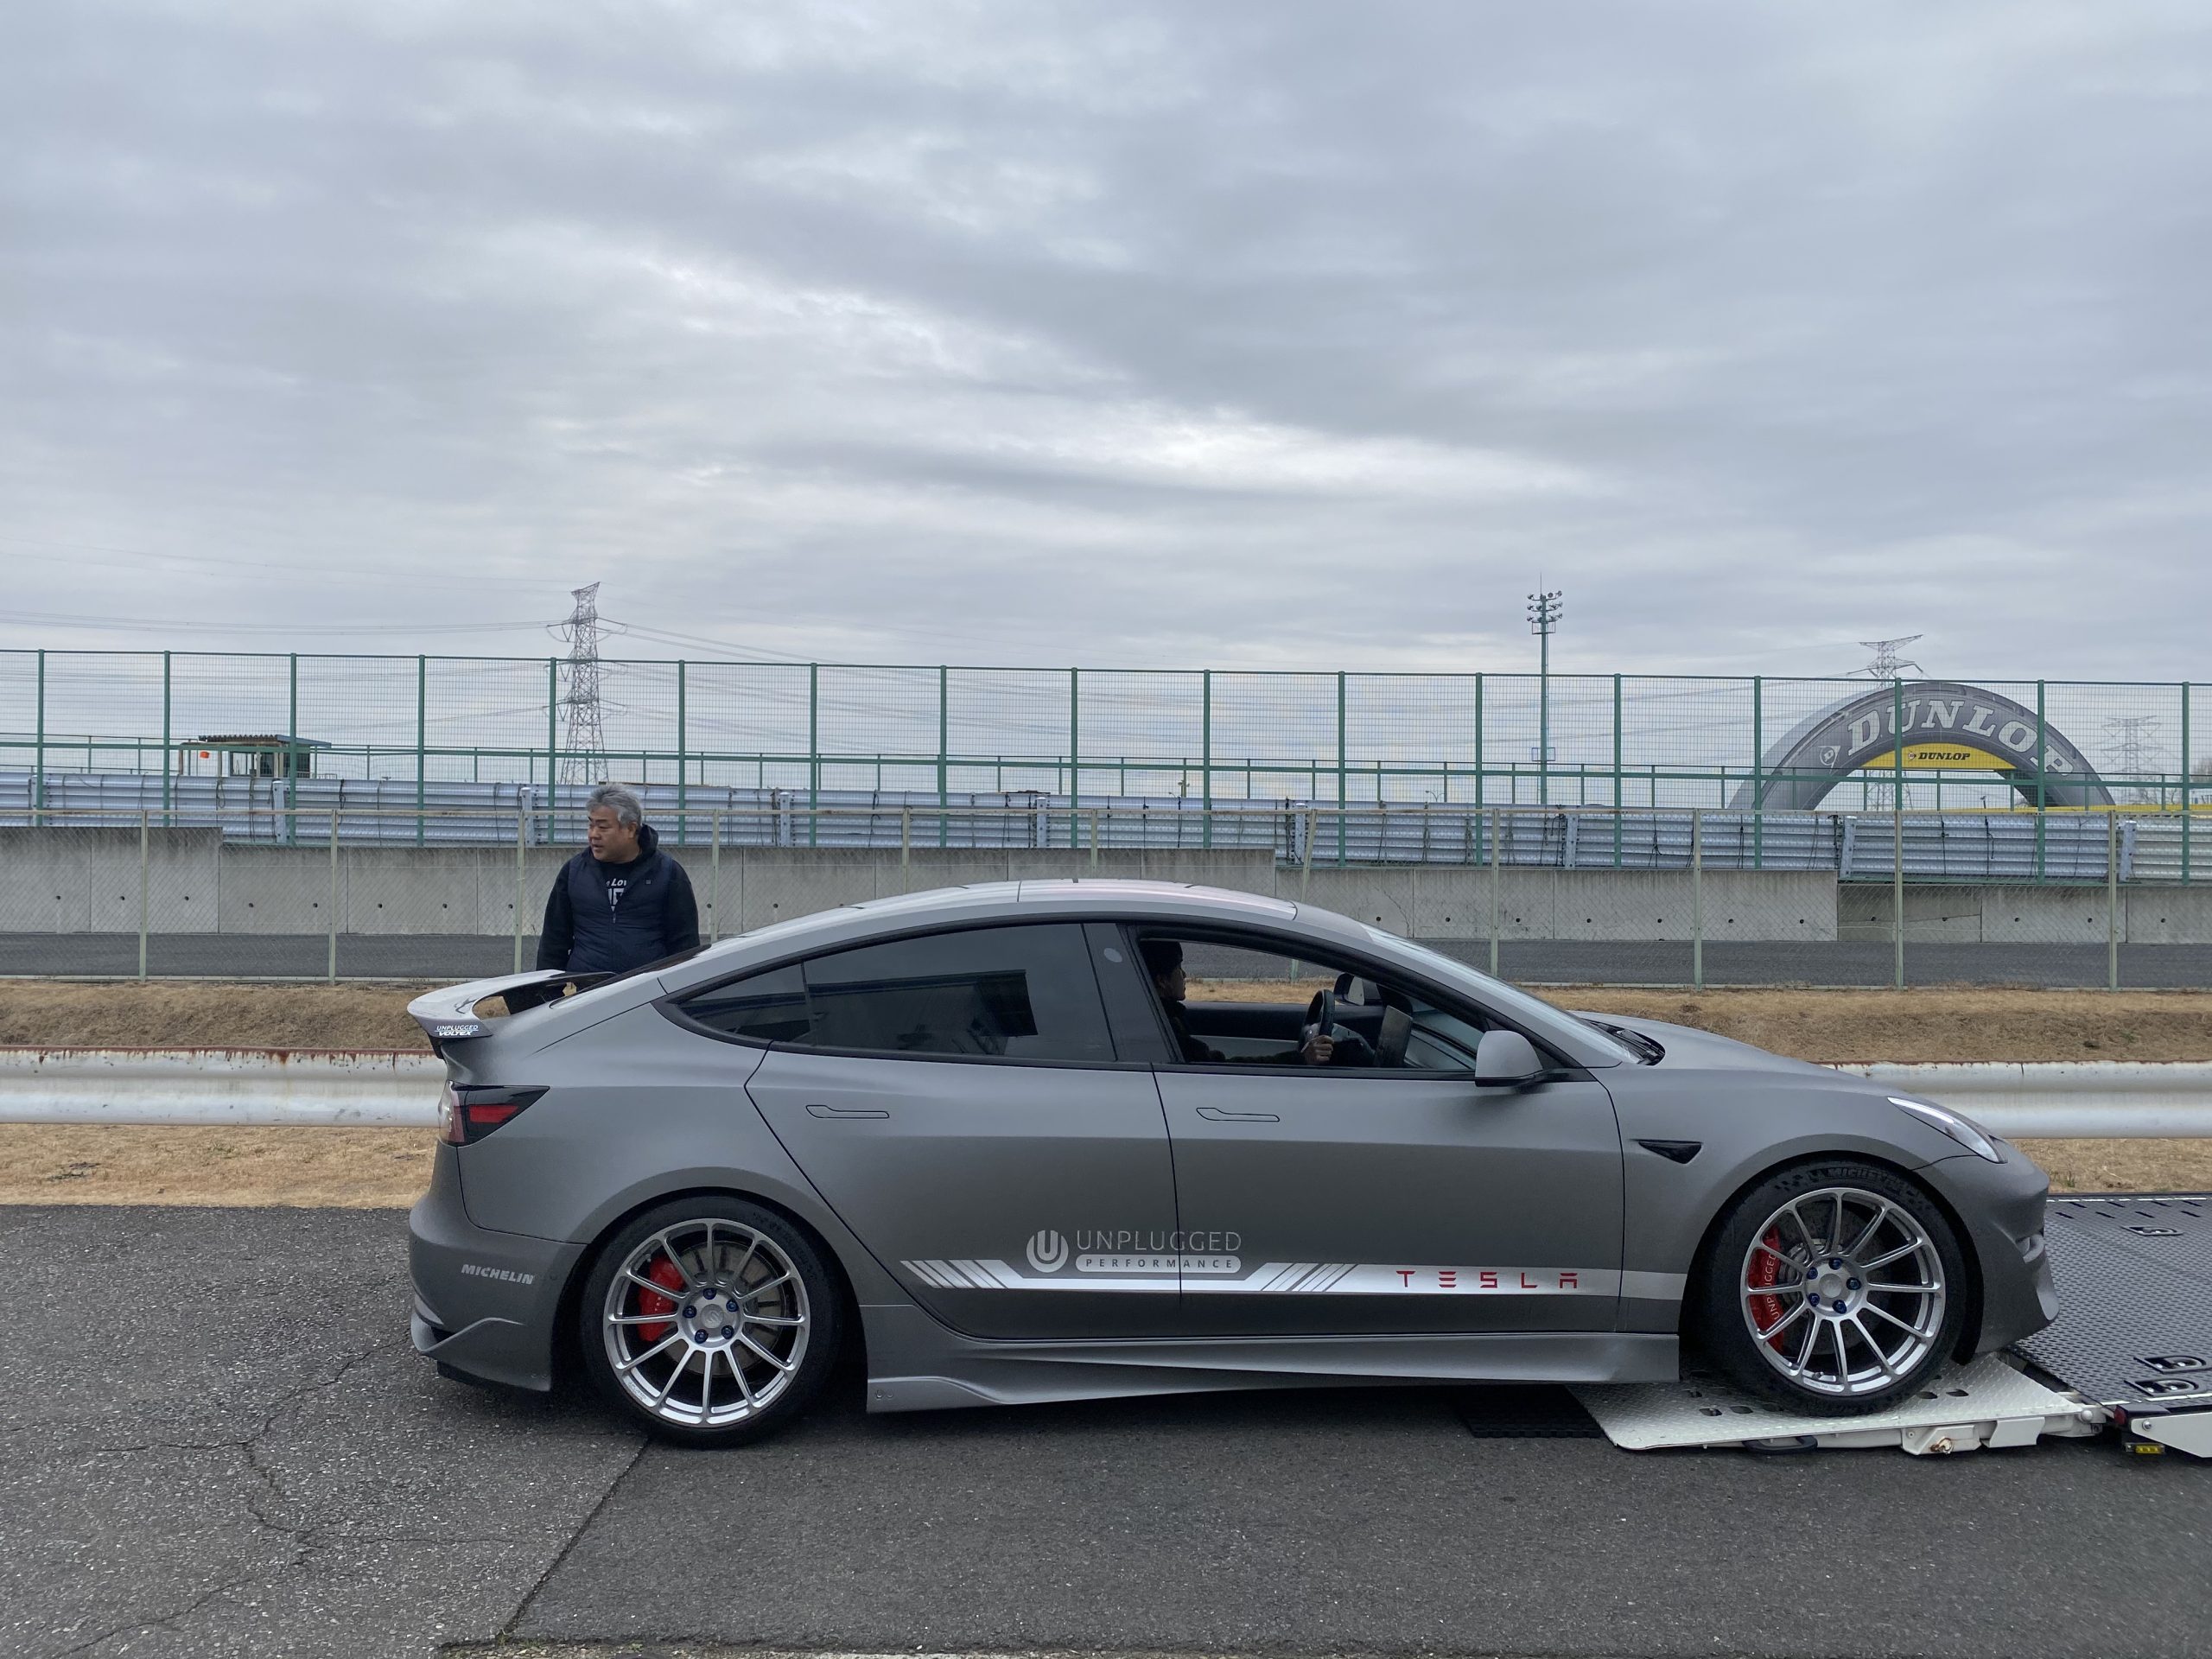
(1573, 739)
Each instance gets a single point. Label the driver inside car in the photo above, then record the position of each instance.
(1163, 960)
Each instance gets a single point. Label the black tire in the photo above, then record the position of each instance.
(1855, 1344)
(739, 1351)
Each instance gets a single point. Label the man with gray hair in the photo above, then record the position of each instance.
(622, 902)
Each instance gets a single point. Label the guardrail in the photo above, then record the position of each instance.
(380, 1088)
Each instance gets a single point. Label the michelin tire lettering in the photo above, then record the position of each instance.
(506, 1275)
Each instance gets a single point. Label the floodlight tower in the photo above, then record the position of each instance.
(583, 737)
(1544, 610)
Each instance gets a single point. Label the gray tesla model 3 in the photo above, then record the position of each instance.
(1063, 1139)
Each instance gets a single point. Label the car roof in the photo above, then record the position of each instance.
(1076, 899)
(1004, 901)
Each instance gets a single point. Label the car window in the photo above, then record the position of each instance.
(1228, 1001)
(1484, 991)
(768, 1008)
(1012, 993)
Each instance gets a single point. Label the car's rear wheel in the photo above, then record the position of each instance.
(712, 1321)
(1836, 1287)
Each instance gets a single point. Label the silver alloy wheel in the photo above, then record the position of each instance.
(706, 1323)
(1843, 1292)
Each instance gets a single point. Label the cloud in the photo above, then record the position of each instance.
(1261, 334)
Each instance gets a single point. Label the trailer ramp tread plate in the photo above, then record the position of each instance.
(1988, 1402)
(2134, 1328)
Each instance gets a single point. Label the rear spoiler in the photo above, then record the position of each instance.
(450, 1016)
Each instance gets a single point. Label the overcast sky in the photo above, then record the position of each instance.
(1122, 333)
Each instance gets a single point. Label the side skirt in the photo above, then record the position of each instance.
(916, 1364)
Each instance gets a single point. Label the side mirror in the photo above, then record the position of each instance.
(1507, 1057)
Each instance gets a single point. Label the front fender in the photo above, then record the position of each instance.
(1745, 1121)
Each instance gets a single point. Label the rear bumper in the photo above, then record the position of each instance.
(487, 1304)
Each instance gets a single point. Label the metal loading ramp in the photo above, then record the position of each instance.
(2133, 1336)
(2131, 1349)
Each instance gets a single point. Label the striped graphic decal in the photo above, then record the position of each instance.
(1316, 1279)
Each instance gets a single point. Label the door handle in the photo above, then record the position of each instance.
(814, 1111)
(1214, 1114)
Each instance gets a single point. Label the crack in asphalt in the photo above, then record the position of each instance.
(506, 1631)
(306, 1538)
(264, 1497)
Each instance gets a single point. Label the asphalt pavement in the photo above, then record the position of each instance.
(450, 958)
(214, 1440)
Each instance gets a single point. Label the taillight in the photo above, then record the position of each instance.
(468, 1112)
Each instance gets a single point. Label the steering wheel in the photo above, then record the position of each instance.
(1352, 1049)
(1321, 1012)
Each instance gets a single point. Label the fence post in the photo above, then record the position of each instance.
(1697, 898)
(682, 765)
(1312, 829)
(1897, 837)
(813, 751)
(1758, 764)
(292, 755)
(421, 698)
(943, 732)
(552, 742)
(38, 776)
(330, 968)
(1896, 890)
(522, 834)
(714, 879)
(2186, 774)
(2042, 800)
(1340, 769)
(1094, 837)
(1075, 765)
(1616, 771)
(1494, 902)
(905, 844)
(2112, 898)
(169, 756)
(1478, 743)
(144, 838)
(1205, 758)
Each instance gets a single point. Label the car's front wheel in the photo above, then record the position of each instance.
(1836, 1287)
(711, 1320)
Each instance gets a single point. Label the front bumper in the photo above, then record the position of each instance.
(487, 1304)
(2002, 1207)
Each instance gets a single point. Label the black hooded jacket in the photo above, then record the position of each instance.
(608, 919)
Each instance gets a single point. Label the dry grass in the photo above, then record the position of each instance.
(213, 1014)
(385, 1168)
(2124, 1165)
(308, 1167)
(1937, 1024)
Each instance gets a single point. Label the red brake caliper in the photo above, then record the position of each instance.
(662, 1272)
(1766, 1270)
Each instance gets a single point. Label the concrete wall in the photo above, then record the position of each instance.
(2027, 915)
(1440, 902)
(87, 882)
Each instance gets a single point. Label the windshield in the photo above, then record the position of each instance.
(1496, 994)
